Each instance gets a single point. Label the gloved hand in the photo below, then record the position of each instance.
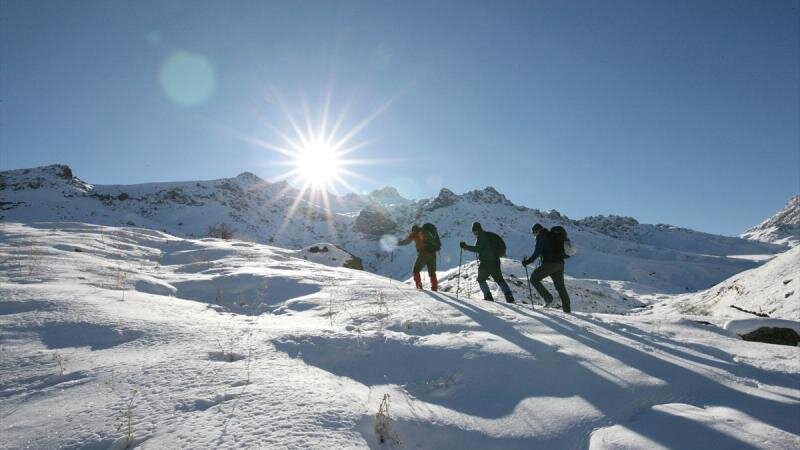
(526, 261)
(462, 244)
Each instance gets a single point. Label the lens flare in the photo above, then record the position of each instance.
(187, 79)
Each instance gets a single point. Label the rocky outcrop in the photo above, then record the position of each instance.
(374, 222)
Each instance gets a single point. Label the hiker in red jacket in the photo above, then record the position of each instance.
(427, 243)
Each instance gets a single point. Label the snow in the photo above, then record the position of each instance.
(205, 343)
(745, 326)
(772, 289)
(662, 258)
(783, 228)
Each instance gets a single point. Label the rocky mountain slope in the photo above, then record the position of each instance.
(782, 228)
(666, 258)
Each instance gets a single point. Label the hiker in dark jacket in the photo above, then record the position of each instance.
(425, 258)
(552, 266)
(489, 264)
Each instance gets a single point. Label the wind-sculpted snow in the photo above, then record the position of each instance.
(663, 257)
(772, 290)
(89, 343)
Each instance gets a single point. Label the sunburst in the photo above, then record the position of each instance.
(317, 155)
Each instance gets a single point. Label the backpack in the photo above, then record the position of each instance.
(560, 245)
(431, 237)
(497, 244)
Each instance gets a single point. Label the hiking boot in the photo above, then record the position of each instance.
(488, 298)
(509, 298)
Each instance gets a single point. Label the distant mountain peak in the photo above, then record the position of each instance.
(388, 195)
(487, 195)
(52, 176)
(781, 228)
(249, 177)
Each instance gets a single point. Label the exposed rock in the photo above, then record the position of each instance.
(773, 335)
(388, 196)
(487, 195)
(354, 263)
(782, 228)
(374, 222)
(445, 198)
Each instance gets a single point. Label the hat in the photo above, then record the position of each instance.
(476, 226)
(537, 228)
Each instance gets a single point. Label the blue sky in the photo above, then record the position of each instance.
(668, 111)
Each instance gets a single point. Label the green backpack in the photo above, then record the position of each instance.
(431, 237)
(497, 243)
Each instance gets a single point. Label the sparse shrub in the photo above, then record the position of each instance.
(121, 280)
(125, 422)
(383, 424)
(31, 260)
(221, 231)
(60, 361)
(228, 345)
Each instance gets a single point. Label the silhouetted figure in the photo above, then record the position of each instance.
(489, 247)
(551, 250)
(426, 239)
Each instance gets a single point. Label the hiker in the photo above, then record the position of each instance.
(426, 239)
(550, 248)
(489, 247)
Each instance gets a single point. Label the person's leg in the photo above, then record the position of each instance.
(536, 280)
(483, 275)
(558, 282)
(418, 265)
(432, 272)
(497, 276)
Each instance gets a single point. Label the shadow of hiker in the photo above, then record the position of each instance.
(620, 403)
(687, 384)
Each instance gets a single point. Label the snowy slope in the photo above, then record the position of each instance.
(782, 228)
(116, 334)
(772, 289)
(585, 295)
(661, 257)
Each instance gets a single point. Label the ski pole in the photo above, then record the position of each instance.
(530, 292)
(458, 281)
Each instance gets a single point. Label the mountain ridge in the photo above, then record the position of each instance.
(668, 258)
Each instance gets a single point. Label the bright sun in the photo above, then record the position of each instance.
(318, 165)
(317, 155)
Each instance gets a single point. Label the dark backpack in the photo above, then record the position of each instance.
(557, 237)
(431, 237)
(497, 244)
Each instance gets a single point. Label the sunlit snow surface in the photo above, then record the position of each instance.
(238, 345)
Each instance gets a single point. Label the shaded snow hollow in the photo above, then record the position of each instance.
(208, 343)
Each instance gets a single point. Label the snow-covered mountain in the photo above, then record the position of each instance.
(772, 290)
(133, 338)
(782, 228)
(665, 258)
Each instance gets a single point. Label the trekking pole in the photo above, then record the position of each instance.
(530, 291)
(458, 281)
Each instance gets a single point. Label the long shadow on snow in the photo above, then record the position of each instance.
(684, 385)
(619, 404)
(715, 354)
(544, 373)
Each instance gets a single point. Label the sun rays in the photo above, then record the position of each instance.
(317, 157)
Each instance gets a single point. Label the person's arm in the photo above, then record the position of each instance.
(405, 241)
(537, 251)
(473, 248)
